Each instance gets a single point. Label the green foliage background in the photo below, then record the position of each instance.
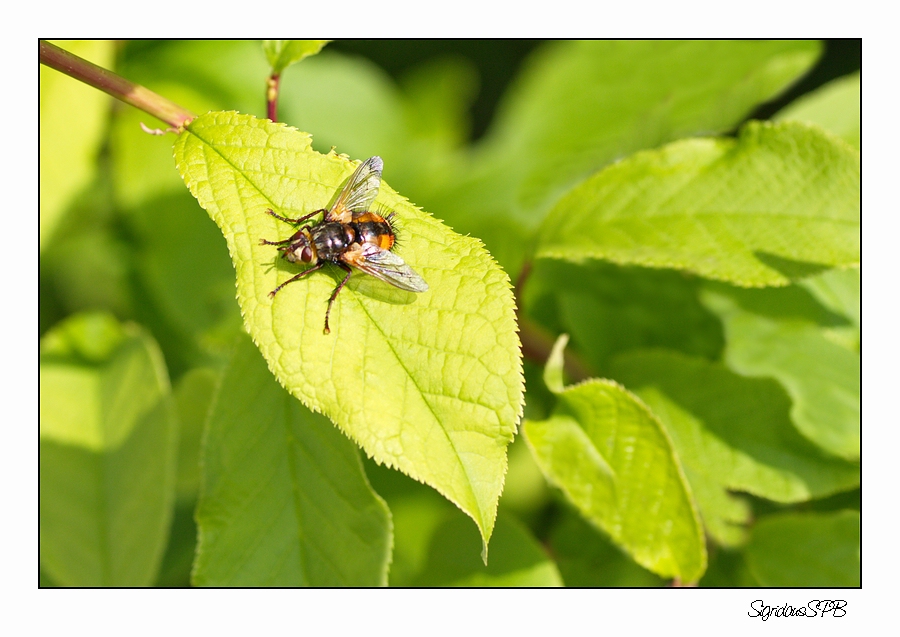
(701, 423)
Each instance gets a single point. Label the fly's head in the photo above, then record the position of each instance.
(300, 248)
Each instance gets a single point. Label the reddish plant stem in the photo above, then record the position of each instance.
(272, 86)
(120, 88)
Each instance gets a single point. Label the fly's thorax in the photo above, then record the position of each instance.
(331, 239)
(301, 248)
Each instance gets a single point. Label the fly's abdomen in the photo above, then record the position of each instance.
(372, 228)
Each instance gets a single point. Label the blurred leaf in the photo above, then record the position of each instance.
(348, 104)
(587, 559)
(516, 557)
(184, 277)
(836, 107)
(284, 499)
(181, 545)
(107, 454)
(89, 267)
(806, 550)
(183, 264)
(201, 75)
(609, 309)
(757, 211)
(438, 94)
(282, 53)
(416, 511)
(72, 123)
(728, 569)
(193, 399)
(218, 74)
(416, 518)
(822, 378)
(839, 291)
(430, 384)
(579, 105)
(731, 434)
(614, 461)
(141, 164)
(525, 492)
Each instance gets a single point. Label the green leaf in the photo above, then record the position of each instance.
(428, 383)
(772, 206)
(72, 122)
(613, 460)
(284, 499)
(836, 107)
(767, 337)
(282, 53)
(806, 550)
(108, 441)
(516, 557)
(579, 105)
(731, 434)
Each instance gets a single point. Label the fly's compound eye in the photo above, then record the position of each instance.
(306, 254)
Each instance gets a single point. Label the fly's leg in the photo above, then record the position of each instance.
(294, 278)
(295, 222)
(266, 242)
(334, 294)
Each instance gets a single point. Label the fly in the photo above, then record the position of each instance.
(349, 235)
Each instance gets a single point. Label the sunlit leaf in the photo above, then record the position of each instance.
(428, 383)
(778, 203)
(613, 460)
(283, 53)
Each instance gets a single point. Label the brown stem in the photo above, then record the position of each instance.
(537, 343)
(117, 86)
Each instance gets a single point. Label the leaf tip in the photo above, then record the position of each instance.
(553, 372)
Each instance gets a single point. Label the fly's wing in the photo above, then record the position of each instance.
(359, 193)
(387, 266)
